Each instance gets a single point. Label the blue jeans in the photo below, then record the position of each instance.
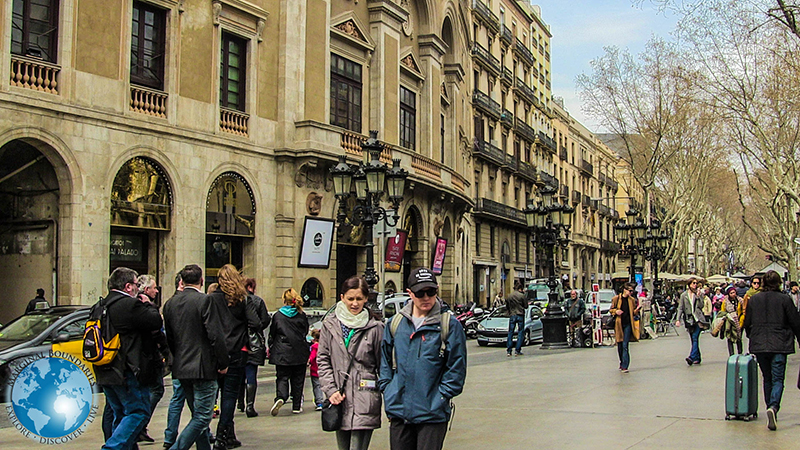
(694, 334)
(174, 412)
(131, 405)
(229, 389)
(773, 370)
(200, 395)
(513, 321)
(622, 347)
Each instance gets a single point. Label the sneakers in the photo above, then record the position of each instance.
(277, 406)
(689, 361)
(518, 354)
(508, 354)
(625, 370)
(298, 411)
(772, 419)
(318, 408)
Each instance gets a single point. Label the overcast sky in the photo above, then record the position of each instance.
(581, 28)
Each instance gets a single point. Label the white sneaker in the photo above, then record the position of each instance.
(277, 406)
(297, 411)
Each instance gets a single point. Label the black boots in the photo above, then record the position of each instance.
(250, 391)
(226, 439)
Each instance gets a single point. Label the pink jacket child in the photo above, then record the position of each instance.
(312, 360)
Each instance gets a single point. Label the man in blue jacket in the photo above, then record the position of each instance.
(419, 376)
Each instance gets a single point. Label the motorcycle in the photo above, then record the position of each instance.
(469, 320)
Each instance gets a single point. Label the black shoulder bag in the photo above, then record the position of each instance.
(332, 414)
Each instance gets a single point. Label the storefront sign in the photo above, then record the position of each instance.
(395, 249)
(126, 248)
(438, 258)
(315, 250)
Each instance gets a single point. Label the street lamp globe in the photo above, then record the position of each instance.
(530, 215)
(396, 182)
(360, 179)
(342, 177)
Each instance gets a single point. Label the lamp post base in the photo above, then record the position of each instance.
(554, 330)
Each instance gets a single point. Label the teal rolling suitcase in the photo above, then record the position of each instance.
(741, 388)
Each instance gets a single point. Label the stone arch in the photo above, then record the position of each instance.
(426, 16)
(313, 292)
(167, 166)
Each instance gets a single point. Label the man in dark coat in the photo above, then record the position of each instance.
(38, 302)
(772, 324)
(516, 305)
(126, 380)
(199, 353)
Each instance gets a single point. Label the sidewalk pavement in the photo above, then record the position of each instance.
(547, 399)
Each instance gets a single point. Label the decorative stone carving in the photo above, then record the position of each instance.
(313, 204)
(408, 61)
(216, 9)
(437, 226)
(260, 29)
(310, 177)
(349, 28)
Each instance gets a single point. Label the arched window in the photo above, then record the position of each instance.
(312, 293)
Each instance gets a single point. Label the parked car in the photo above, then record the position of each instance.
(604, 297)
(537, 290)
(59, 328)
(494, 328)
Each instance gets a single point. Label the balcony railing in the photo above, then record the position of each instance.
(148, 101)
(524, 54)
(548, 179)
(507, 77)
(548, 142)
(505, 35)
(351, 143)
(507, 119)
(576, 197)
(609, 246)
(585, 200)
(565, 191)
(426, 166)
(604, 210)
(525, 131)
(485, 15)
(612, 184)
(486, 104)
(485, 59)
(594, 204)
(601, 177)
(34, 74)
(587, 168)
(486, 206)
(524, 92)
(526, 171)
(563, 154)
(232, 121)
(489, 151)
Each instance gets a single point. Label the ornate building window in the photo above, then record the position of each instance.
(148, 31)
(34, 29)
(141, 196)
(408, 118)
(312, 293)
(232, 73)
(230, 221)
(346, 89)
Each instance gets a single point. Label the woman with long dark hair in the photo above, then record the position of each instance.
(348, 359)
(624, 307)
(289, 351)
(232, 294)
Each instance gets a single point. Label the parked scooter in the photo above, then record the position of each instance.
(470, 319)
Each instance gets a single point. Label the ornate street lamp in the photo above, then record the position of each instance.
(371, 179)
(547, 222)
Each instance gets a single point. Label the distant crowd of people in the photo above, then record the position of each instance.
(213, 342)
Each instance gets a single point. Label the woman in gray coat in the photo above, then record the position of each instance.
(352, 332)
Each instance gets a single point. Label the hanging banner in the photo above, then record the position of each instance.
(395, 249)
(438, 257)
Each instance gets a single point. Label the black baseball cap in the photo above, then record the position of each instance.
(421, 278)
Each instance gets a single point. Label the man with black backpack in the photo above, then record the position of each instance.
(127, 378)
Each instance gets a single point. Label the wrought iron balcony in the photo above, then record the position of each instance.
(604, 210)
(505, 35)
(507, 119)
(484, 103)
(576, 197)
(527, 171)
(547, 142)
(601, 177)
(548, 179)
(564, 191)
(524, 92)
(609, 246)
(524, 54)
(485, 15)
(485, 59)
(507, 77)
(587, 168)
(594, 204)
(612, 184)
(484, 206)
(585, 200)
(489, 151)
(525, 131)
(563, 153)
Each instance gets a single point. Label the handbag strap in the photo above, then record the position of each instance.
(350, 365)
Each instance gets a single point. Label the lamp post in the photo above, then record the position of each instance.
(656, 252)
(368, 182)
(548, 221)
(632, 239)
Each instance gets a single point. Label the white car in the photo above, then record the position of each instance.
(604, 297)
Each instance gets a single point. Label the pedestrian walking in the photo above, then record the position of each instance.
(236, 320)
(498, 300)
(731, 330)
(37, 302)
(289, 351)
(148, 294)
(515, 304)
(349, 357)
(755, 288)
(624, 308)
(257, 345)
(794, 293)
(690, 311)
(313, 370)
(126, 380)
(576, 307)
(772, 324)
(421, 370)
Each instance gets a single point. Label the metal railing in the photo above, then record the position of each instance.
(487, 206)
(548, 142)
(524, 92)
(485, 59)
(507, 119)
(507, 77)
(505, 35)
(524, 54)
(484, 14)
(486, 104)
(525, 131)
(527, 171)
(587, 168)
(576, 196)
(489, 151)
